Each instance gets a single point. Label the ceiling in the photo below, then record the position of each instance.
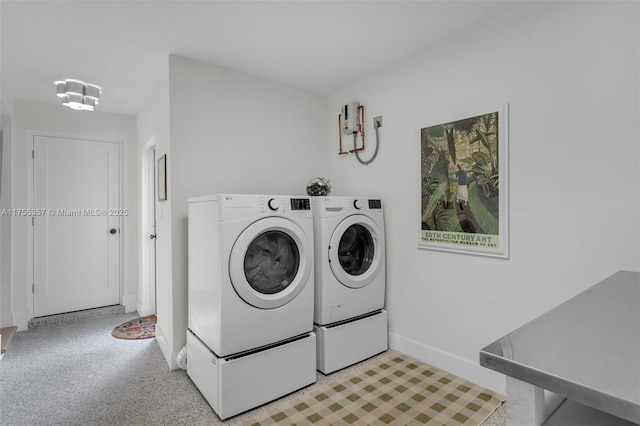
(122, 46)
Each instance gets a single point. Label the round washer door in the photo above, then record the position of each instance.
(355, 252)
(270, 262)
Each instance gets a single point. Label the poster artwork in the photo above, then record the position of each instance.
(460, 185)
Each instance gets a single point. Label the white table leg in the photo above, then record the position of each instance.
(525, 404)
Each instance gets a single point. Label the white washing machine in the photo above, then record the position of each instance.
(350, 320)
(250, 297)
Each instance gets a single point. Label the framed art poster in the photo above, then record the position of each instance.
(464, 185)
(162, 178)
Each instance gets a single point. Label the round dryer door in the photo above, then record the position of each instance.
(355, 252)
(270, 262)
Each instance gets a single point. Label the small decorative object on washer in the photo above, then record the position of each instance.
(318, 186)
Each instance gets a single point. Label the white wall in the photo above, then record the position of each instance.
(5, 301)
(229, 133)
(6, 112)
(569, 71)
(6, 318)
(6, 100)
(55, 119)
(154, 125)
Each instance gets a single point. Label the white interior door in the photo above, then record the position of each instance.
(76, 227)
(152, 229)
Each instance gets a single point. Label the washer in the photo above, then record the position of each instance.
(250, 297)
(349, 257)
(250, 270)
(351, 324)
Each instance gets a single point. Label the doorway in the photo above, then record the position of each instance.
(76, 224)
(147, 302)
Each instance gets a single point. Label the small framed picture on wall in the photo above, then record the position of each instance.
(162, 178)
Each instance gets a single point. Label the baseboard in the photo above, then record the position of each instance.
(169, 355)
(145, 310)
(129, 301)
(6, 319)
(461, 367)
(21, 320)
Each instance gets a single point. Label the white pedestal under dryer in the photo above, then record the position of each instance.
(349, 316)
(250, 299)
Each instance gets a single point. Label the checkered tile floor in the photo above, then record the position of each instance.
(396, 390)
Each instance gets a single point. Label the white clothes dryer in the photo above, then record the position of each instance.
(251, 267)
(349, 257)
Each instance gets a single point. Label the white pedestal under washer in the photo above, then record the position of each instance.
(236, 384)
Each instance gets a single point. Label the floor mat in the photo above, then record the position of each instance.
(397, 389)
(138, 328)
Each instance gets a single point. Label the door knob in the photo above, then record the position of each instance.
(152, 236)
(112, 231)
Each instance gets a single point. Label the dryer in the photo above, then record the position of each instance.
(350, 281)
(250, 298)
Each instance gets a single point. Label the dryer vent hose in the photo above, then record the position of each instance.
(182, 358)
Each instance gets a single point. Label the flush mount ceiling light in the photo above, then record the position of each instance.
(78, 95)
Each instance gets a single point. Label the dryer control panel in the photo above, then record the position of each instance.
(360, 204)
(375, 204)
(300, 204)
(283, 205)
(276, 204)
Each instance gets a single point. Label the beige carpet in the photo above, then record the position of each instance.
(395, 390)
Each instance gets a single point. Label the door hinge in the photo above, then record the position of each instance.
(33, 154)
(33, 221)
(33, 288)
